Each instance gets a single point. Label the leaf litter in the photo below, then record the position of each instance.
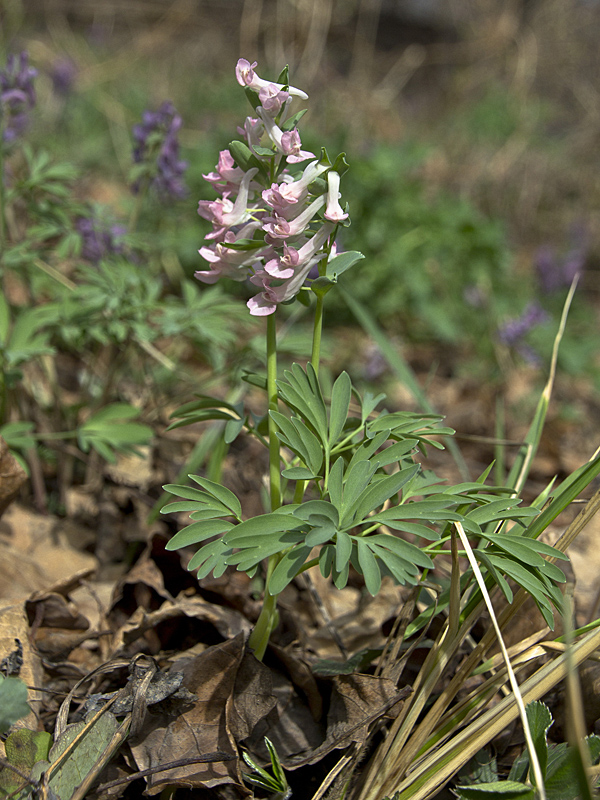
(83, 616)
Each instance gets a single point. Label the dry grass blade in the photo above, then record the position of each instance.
(537, 771)
(435, 770)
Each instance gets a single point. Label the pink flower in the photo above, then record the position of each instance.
(227, 176)
(287, 142)
(283, 196)
(272, 98)
(334, 212)
(222, 212)
(244, 72)
(225, 261)
(266, 302)
(252, 131)
(284, 266)
(277, 227)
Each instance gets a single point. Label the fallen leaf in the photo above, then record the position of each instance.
(12, 476)
(38, 553)
(356, 702)
(82, 758)
(14, 636)
(227, 622)
(201, 729)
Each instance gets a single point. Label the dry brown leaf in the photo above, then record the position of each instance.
(356, 702)
(14, 636)
(42, 547)
(228, 623)
(362, 627)
(202, 729)
(12, 476)
(290, 725)
(252, 697)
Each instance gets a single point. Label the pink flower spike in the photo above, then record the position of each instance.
(244, 72)
(334, 212)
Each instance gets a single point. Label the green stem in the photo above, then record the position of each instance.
(274, 472)
(137, 207)
(2, 203)
(317, 333)
(267, 621)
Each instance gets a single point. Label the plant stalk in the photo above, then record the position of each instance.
(317, 333)
(267, 620)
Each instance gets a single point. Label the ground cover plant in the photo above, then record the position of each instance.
(342, 501)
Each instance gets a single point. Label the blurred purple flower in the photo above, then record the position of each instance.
(375, 364)
(99, 239)
(63, 74)
(556, 272)
(17, 95)
(514, 331)
(157, 146)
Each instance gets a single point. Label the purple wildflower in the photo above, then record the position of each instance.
(99, 239)
(63, 74)
(556, 272)
(514, 331)
(157, 146)
(17, 95)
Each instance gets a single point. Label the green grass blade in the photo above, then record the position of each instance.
(522, 465)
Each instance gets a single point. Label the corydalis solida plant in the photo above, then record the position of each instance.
(340, 485)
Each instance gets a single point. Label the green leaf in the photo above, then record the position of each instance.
(17, 435)
(301, 391)
(85, 754)
(211, 557)
(368, 447)
(298, 474)
(264, 547)
(405, 550)
(244, 157)
(339, 264)
(312, 446)
(540, 720)
(380, 490)
(13, 702)
(4, 319)
(288, 568)
(356, 480)
(24, 748)
(335, 483)
(295, 434)
(340, 404)
(264, 524)
(499, 790)
(343, 550)
(194, 508)
(368, 566)
(198, 532)
(220, 493)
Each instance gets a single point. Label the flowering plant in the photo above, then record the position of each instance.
(343, 478)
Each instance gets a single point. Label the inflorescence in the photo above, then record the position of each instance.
(273, 223)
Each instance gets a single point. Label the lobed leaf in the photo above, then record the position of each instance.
(288, 568)
(198, 532)
(220, 493)
(340, 405)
